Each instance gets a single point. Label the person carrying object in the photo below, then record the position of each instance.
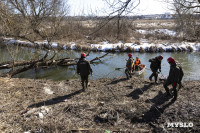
(155, 66)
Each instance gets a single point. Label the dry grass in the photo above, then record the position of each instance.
(26, 105)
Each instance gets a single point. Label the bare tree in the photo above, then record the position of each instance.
(32, 19)
(118, 10)
(187, 17)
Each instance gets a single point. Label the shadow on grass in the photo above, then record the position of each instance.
(55, 100)
(118, 80)
(154, 112)
(139, 91)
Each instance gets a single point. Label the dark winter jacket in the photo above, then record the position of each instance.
(83, 67)
(129, 63)
(155, 63)
(175, 73)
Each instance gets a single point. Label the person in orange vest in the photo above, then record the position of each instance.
(137, 63)
(129, 66)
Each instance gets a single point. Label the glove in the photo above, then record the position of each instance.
(174, 84)
(160, 70)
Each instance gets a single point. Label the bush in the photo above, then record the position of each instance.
(190, 48)
(128, 49)
(77, 47)
(85, 48)
(121, 48)
(151, 49)
(173, 49)
(141, 50)
(179, 49)
(137, 42)
(94, 49)
(160, 49)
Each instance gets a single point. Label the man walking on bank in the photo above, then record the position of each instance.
(174, 78)
(155, 65)
(84, 70)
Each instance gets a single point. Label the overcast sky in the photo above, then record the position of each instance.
(85, 7)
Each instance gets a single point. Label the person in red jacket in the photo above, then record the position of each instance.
(174, 78)
(84, 69)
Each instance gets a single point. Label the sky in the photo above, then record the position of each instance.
(146, 7)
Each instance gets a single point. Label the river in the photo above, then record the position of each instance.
(190, 63)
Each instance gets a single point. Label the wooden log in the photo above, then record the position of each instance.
(40, 63)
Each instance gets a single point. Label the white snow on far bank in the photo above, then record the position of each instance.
(105, 46)
(164, 31)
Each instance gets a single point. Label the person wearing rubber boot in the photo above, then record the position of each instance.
(155, 66)
(84, 70)
(174, 78)
(129, 66)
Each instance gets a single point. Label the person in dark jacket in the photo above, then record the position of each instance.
(155, 66)
(174, 78)
(84, 70)
(129, 66)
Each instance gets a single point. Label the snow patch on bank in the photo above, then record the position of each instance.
(117, 47)
(163, 31)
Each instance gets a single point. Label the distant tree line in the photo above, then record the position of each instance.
(35, 20)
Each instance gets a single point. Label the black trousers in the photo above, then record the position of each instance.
(84, 81)
(166, 84)
(154, 74)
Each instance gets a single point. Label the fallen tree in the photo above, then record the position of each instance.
(16, 67)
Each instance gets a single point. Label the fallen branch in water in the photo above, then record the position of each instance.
(22, 66)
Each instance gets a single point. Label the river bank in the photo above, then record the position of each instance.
(141, 46)
(134, 105)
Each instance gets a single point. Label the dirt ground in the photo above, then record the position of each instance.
(134, 105)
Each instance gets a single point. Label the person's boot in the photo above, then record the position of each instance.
(127, 76)
(156, 82)
(86, 85)
(168, 94)
(175, 94)
(150, 78)
(83, 87)
(180, 86)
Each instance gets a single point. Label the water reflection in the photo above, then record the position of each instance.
(189, 61)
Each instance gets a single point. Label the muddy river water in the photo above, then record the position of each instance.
(190, 63)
